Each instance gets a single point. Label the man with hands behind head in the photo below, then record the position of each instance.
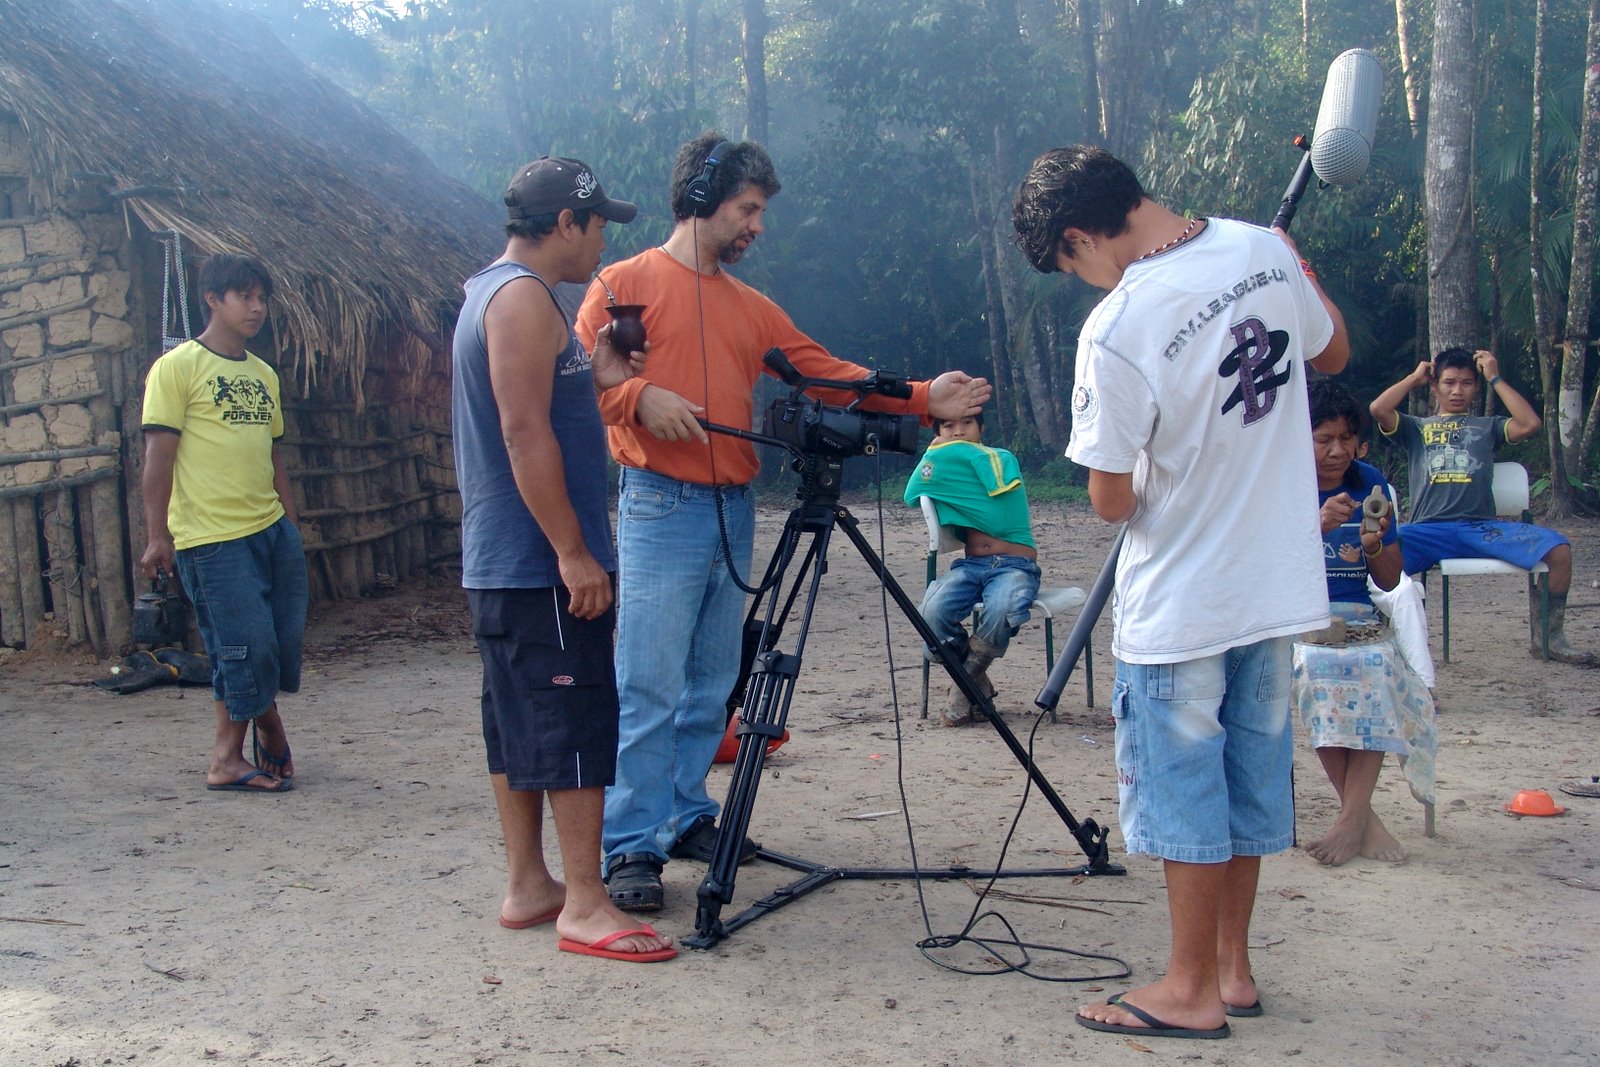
(680, 615)
(1451, 456)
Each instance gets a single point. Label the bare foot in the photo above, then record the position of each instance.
(603, 920)
(1340, 844)
(1379, 844)
(535, 908)
(1156, 999)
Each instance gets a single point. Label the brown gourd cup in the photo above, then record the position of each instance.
(627, 328)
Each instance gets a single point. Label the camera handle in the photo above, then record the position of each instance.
(875, 382)
(770, 677)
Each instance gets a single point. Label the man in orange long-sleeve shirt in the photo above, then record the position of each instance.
(679, 613)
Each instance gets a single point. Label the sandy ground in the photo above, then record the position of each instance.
(146, 921)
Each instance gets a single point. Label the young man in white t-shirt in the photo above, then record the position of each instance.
(1189, 409)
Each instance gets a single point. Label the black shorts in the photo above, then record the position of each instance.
(549, 690)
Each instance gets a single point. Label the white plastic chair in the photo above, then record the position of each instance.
(1510, 501)
(1051, 601)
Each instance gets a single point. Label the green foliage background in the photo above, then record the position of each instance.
(893, 121)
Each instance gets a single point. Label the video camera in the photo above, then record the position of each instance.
(805, 424)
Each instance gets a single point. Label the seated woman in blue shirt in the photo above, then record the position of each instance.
(1356, 694)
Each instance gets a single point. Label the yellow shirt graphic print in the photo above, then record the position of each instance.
(227, 413)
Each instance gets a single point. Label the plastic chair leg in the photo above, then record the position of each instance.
(1444, 588)
(1050, 652)
(1544, 613)
(926, 666)
(1088, 671)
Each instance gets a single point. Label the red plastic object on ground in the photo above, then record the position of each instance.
(1534, 802)
(728, 751)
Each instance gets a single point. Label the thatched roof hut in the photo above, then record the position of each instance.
(124, 120)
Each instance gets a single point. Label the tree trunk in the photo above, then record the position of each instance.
(1305, 39)
(755, 70)
(691, 50)
(1094, 118)
(1408, 72)
(1029, 345)
(1114, 71)
(1447, 180)
(1543, 352)
(1580, 291)
(1005, 407)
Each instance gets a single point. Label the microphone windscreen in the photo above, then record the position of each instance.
(1347, 120)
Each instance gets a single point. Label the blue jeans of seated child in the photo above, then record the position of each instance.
(679, 624)
(1006, 587)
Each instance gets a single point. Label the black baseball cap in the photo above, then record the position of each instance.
(551, 183)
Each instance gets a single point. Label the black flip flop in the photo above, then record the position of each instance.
(242, 784)
(1153, 1027)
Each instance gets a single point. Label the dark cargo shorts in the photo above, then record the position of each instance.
(549, 691)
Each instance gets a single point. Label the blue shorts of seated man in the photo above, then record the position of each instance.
(1521, 544)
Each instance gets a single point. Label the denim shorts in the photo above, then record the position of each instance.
(1522, 544)
(1205, 751)
(549, 697)
(249, 597)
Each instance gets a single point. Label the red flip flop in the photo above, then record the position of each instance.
(537, 920)
(598, 948)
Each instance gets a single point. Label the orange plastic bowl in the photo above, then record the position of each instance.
(1534, 802)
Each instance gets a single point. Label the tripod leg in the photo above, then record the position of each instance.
(768, 693)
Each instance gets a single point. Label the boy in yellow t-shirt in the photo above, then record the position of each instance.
(218, 510)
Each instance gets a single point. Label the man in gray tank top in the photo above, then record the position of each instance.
(537, 557)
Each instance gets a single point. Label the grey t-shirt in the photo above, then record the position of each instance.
(1452, 465)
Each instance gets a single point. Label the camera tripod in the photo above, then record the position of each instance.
(768, 688)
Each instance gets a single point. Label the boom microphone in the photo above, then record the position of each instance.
(1347, 121)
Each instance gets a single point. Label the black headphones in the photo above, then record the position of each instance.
(702, 200)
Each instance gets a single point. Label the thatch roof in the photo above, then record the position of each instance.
(240, 147)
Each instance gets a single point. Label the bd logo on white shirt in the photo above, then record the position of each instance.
(1256, 353)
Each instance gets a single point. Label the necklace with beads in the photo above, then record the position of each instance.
(1188, 231)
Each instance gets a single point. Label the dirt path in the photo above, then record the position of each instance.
(145, 921)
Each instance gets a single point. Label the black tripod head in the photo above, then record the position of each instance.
(821, 436)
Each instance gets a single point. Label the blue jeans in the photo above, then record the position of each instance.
(679, 625)
(1006, 587)
(1204, 754)
(249, 597)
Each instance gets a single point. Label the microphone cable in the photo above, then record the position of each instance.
(1011, 954)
